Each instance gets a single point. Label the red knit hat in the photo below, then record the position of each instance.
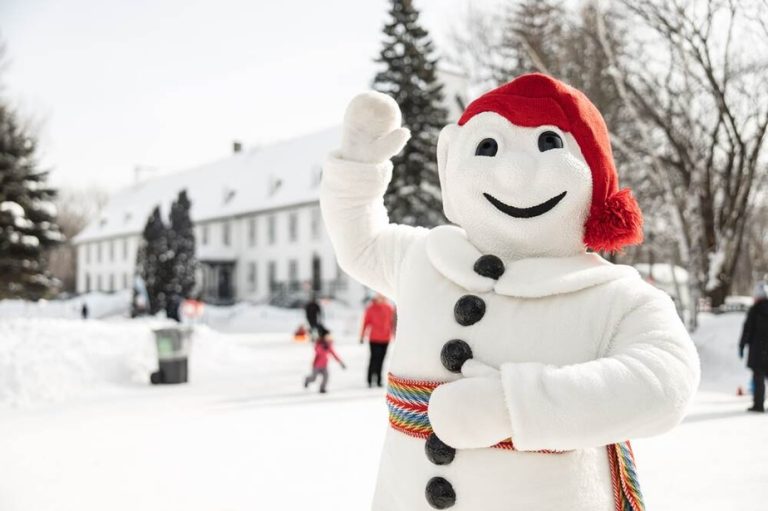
(533, 100)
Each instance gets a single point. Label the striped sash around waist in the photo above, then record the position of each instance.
(408, 401)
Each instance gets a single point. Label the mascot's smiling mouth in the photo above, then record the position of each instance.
(531, 212)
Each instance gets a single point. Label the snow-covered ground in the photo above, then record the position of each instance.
(80, 428)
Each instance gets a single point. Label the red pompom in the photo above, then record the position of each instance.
(615, 224)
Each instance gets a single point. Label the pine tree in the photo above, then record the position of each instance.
(139, 299)
(153, 268)
(409, 76)
(28, 226)
(182, 244)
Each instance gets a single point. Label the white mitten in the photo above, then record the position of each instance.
(470, 413)
(372, 131)
(472, 368)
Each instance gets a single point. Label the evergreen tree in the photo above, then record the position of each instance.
(28, 226)
(139, 298)
(166, 259)
(154, 254)
(182, 244)
(409, 76)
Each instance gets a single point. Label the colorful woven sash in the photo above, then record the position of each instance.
(408, 401)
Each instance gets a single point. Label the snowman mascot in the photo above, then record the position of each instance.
(524, 361)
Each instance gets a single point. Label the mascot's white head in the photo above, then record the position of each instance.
(528, 172)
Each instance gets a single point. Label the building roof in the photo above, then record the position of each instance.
(275, 176)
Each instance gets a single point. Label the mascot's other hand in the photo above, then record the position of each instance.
(470, 413)
(372, 129)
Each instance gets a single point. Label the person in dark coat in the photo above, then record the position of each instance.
(84, 311)
(314, 315)
(755, 335)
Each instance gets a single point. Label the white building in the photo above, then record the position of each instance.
(259, 232)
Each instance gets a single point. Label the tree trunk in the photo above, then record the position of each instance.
(717, 295)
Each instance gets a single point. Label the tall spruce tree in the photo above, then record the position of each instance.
(409, 76)
(28, 226)
(182, 244)
(155, 254)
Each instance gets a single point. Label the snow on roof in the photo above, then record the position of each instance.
(279, 175)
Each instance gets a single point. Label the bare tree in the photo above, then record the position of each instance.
(700, 93)
(75, 208)
(683, 88)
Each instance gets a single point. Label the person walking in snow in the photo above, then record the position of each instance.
(314, 314)
(378, 326)
(84, 311)
(755, 335)
(323, 349)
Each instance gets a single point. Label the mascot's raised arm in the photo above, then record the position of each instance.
(525, 362)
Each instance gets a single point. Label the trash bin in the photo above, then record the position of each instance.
(173, 345)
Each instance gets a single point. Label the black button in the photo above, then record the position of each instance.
(454, 354)
(440, 493)
(469, 310)
(438, 452)
(489, 266)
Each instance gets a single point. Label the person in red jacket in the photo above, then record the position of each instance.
(378, 326)
(323, 349)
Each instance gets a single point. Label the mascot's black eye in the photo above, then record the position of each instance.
(550, 140)
(487, 147)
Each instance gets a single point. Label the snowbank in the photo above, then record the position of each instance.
(343, 321)
(46, 360)
(239, 318)
(100, 305)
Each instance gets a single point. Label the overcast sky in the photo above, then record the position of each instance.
(169, 84)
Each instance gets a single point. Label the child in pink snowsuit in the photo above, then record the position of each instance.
(323, 348)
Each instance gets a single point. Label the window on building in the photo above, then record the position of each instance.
(125, 249)
(316, 273)
(125, 281)
(204, 235)
(98, 252)
(87, 282)
(271, 229)
(111, 282)
(111, 250)
(293, 226)
(315, 223)
(98, 283)
(293, 275)
(87, 250)
(252, 231)
(252, 276)
(225, 233)
(272, 275)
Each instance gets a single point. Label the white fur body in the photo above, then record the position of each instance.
(572, 353)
